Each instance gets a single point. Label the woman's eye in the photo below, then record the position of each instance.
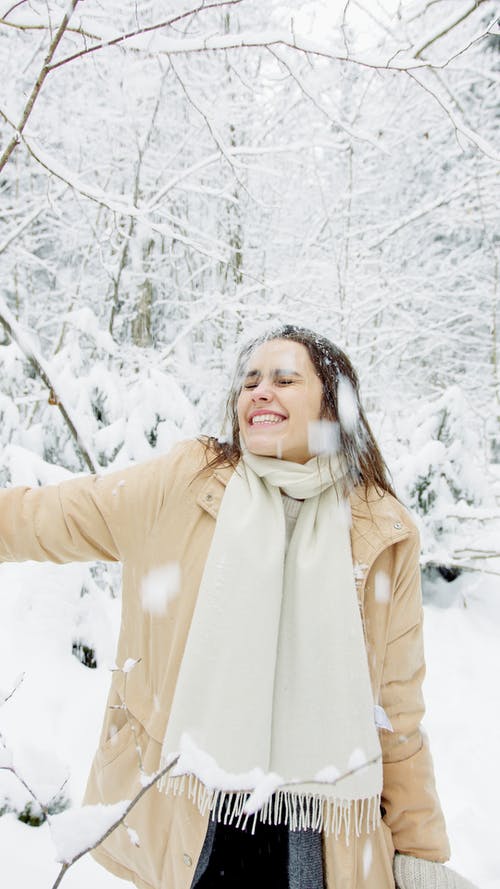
(249, 385)
(285, 382)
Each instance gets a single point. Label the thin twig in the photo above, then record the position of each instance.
(446, 30)
(35, 92)
(17, 26)
(115, 41)
(156, 777)
(218, 251)
(12, 8)
(14, 331)
(26, 222)
(19, 681)
(458, 125)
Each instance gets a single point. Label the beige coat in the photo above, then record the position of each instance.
(163, 512)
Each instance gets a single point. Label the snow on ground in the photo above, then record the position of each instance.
(463, 718)
(53, 719)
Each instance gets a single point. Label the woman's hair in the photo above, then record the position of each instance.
(356, 442)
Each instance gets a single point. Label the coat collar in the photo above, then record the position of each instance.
(378, 520)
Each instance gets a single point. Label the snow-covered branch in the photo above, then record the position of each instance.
(250, 39)
(449, 26)
(35, 92)
(116, 204)
(27, 221)
(99, 821)
(460, 127)
(30, 351)
(139, 32)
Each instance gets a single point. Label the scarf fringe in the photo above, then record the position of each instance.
(296, 810)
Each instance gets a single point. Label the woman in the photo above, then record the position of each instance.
(283, 665)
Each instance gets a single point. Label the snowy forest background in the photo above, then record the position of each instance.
(175, 178)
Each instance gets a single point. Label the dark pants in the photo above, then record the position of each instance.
(240, 859)
(233, 858)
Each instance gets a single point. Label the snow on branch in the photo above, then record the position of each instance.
(28, 220)
(415, 216)
(461, 128)
(139, 32)
(35, 92)
(287, 38)
(216, 250)
(250, 39)
(77, 832)
(449, 26)
(29, 350)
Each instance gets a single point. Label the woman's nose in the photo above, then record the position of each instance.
(262, 392)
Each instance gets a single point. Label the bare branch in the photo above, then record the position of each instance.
(43, 808)
(459, 125)
(35, 92)
(487, 31)
(12, 8)
(146, 784)
(349, 130)
(223, 148)
(415, 216)
(17, 26)
(192, 325)
(115, 41)
(17, 683)
(447, 28)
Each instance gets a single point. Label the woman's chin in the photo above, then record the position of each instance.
(264, 448)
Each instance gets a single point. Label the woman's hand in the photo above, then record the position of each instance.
(417, 873)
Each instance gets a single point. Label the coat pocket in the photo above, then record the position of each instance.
(119, 767)
(118, 741)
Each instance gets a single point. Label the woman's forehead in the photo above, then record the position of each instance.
(279, 355)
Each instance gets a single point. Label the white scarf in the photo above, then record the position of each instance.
(273, 695)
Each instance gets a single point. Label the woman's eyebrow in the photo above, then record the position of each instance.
(283, 372)
(277, 372)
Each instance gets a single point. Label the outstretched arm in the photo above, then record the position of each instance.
(93, 517)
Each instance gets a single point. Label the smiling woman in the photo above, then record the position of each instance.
(286, 685)
(328, 416)
(281, 395)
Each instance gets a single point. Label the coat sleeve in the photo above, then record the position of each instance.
(93, 517)
(409, 798)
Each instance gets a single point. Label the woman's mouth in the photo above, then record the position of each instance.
(266, 419)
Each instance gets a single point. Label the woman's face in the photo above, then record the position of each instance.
(281, 395)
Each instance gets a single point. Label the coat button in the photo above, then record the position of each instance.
(209, 497)
(187, 859)
(398, 526)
